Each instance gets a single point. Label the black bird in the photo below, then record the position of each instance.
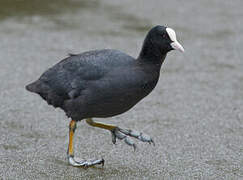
(105, 83)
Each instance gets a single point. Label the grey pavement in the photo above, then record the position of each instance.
(195, 114)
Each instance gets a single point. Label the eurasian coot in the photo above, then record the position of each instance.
(105, 83)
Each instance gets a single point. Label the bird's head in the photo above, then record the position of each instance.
(164, 38)
(159, 41)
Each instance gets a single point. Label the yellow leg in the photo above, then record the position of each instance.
(120, 133)
(70, 152)
(100, 125)
(114, 130)
(72, 127)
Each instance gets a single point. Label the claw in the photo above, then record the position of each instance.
(145, 138)
(84, 163)
(126, 134)
(134, 147)
(119, 134)
(135, 134)
(124, 131)
(130, 142)
(113, 137)
(152, 142)
(115, 133)
(99, 161)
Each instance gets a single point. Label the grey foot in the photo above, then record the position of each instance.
(126, 134)
(84, 163)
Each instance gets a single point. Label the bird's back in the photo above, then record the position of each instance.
(68, 78)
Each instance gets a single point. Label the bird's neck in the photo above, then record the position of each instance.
(151, 54)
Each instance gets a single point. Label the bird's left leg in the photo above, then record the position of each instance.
(70, 152)
(119, 133)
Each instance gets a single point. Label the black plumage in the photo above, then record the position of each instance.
(104, 83)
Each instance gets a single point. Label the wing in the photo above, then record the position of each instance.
(74, 74)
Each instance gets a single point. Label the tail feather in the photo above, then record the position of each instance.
(33, 87)
(45, 92)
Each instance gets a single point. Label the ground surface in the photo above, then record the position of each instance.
(195, 114)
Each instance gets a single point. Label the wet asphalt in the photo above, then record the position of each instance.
(195, 114)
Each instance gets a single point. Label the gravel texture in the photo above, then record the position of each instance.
(195, 114)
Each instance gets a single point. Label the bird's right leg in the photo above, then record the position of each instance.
(119, 133)
(70, 152)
